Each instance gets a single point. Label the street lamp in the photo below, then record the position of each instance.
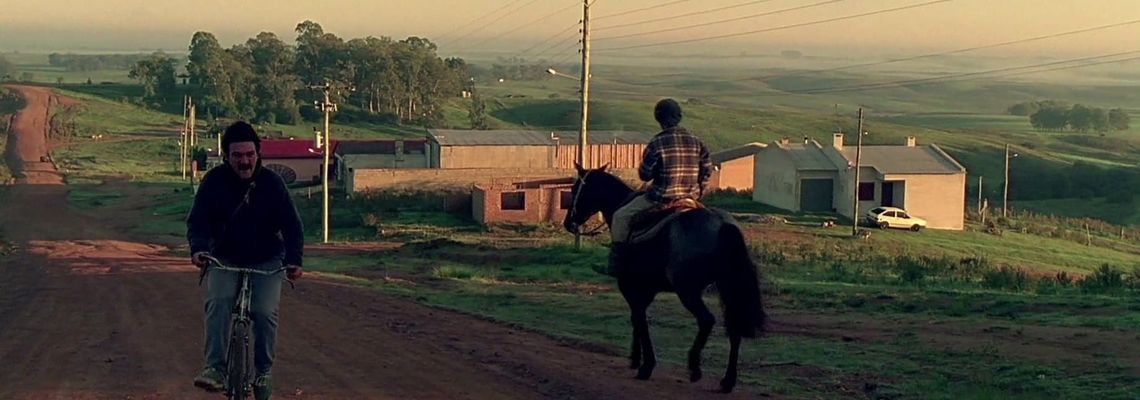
(555, 72)
(1005, 192)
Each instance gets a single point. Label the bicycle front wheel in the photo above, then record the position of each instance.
(238, 362)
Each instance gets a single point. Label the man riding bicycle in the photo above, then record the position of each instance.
(243, 215)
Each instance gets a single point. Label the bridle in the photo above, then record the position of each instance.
(581, 183)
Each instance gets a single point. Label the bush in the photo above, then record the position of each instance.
(910, 269)
(1007, 278)
(840, 273)
(1106, 279)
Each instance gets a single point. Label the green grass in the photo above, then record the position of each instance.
(1085, 208)
(552, 290)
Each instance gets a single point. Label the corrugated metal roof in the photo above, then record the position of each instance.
(928, 159)
(385, 146)
(453, 137)
(736, 152)
(807, 156)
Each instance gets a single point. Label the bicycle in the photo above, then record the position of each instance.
(239, 358)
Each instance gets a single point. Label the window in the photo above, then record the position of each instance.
(565, 199)
(866, 191)
(890, 214)
(512, 201)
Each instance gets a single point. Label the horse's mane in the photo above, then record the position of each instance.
(609, 179)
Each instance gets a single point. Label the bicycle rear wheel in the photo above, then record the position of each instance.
(238, 362)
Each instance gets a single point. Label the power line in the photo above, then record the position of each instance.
(492, 22)
(640, 9)
(516, 29)
(564, 57)
(847, 17)
(723, 21)
(682, 15)
(1013, 70)
(988, 46)
(464, 26)
(548, 39)
(565, 45)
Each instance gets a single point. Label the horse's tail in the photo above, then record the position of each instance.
(739, 286)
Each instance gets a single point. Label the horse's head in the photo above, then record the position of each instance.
(588, 196)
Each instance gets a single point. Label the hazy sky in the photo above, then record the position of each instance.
(149, 24)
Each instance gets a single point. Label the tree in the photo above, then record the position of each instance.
(1050, 118)
(477, 113)
(1080, 118)
(7, 69)
(1024, 109)
(274, 83)
(156, 74)
(1118, 119)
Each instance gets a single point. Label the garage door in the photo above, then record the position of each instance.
(816, 194)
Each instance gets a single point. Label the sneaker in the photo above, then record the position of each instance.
(211, 380)
(262, 387)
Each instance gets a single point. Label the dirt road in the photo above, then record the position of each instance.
(89, 313)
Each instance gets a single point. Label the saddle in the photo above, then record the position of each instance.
(647, 224)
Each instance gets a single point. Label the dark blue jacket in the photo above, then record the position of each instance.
(245, 221)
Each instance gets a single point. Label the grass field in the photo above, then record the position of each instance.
(901, 315)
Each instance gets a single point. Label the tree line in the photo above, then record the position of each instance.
(1052, 115)
(403, 79)
(265, 79)
(1036, 179)
(95, 62)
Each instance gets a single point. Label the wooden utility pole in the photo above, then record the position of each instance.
(979, 195)
(583, 143)
(1005, 192)
(855, 197)
(327, 107)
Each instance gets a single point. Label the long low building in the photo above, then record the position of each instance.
(458, 149)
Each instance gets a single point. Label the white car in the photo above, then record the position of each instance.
(894, 217)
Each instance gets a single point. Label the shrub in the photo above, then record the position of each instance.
(910, 269)
(1106, 279)
(1007, 278)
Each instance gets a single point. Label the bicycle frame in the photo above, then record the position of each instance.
(239, 386)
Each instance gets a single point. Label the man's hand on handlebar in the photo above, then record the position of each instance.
(293, 272)
(199, 259)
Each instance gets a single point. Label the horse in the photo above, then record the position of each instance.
(698, 248)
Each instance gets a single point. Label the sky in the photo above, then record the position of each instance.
(463, 26)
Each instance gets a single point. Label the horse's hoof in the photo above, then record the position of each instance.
(727, 385)
(695, 375)
(634, 364)
(644, 373)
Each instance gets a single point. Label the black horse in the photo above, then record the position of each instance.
(697, 249)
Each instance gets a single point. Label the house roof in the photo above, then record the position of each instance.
(453, 137)
(736, 152)
(927, 159)
(387, 146)
(806, 156)
(291, 149)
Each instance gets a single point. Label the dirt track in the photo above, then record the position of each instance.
(88, 313)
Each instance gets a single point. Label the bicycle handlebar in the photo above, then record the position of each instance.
(218, 265)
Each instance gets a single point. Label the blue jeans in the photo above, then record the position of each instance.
(221, 294)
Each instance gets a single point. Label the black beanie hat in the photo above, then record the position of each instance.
(668, 113)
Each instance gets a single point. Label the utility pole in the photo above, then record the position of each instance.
(583, 143)
(191, 164)
(327, 107)
(855, 197)
(184, 139)
(979, 195)
(1005, 192)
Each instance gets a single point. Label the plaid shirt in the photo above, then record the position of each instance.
(678, 165)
